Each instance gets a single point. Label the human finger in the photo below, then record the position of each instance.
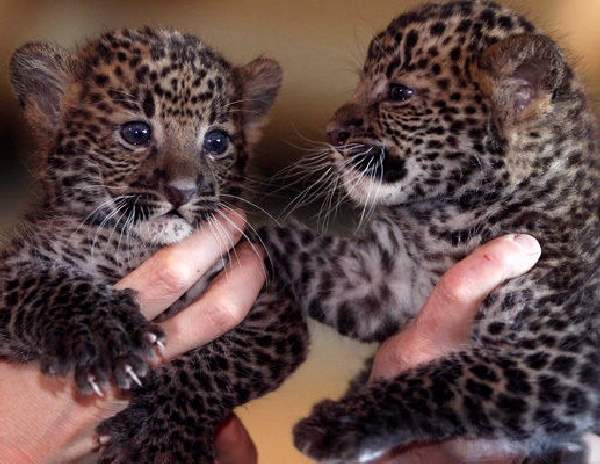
(445, 321)
(223, 306)
(234, 445)
(171, 271)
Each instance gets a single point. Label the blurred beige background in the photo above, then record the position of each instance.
(320, 45)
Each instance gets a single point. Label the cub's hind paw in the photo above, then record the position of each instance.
(147, 432)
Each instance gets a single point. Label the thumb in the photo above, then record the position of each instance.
(445, 321)
(452, 305)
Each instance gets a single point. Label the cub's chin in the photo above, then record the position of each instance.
(368, 192)
(163, 230)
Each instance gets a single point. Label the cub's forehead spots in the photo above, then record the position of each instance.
(158, 74)
(426, 39)
(369, 90)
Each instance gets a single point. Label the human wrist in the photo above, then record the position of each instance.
(18, 445)
(12, 454)
(68, 438)
(40, 417)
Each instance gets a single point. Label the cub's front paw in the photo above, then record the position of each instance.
(110, 340)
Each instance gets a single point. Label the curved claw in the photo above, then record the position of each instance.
(160, 346)
(101, 441)
(153, 339)
(95, 387)
(133, 375)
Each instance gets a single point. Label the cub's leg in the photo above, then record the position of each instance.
(173, 417)
(365, 287)
(73, 324)
(532, 397)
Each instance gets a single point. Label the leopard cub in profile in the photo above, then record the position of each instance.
(145, 135)
(467, 124)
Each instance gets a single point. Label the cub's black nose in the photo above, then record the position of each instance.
(347, 121)
(178, 196)
(338, 136)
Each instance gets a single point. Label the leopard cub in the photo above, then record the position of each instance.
(467, 124)
(144, 136)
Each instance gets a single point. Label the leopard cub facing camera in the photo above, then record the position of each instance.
(143, 136)
(467, 124)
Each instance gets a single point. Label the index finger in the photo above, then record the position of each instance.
(445, 321)
(171, 271)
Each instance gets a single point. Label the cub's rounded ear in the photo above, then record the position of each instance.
(522, 74)
(40, 73)
(260, 81)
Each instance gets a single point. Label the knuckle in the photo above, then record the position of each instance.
(454, 291)
(170, 274)
(225, 315)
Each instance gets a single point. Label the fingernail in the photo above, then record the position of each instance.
(528, 244)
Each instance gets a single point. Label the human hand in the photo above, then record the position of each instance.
(234, 445)
(443, 325)
(44, 420)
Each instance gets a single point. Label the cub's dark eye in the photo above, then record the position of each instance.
(399, 92)
(216, 142)
(137, 133)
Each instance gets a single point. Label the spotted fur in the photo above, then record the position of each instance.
(467, 124)
(108, 205)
